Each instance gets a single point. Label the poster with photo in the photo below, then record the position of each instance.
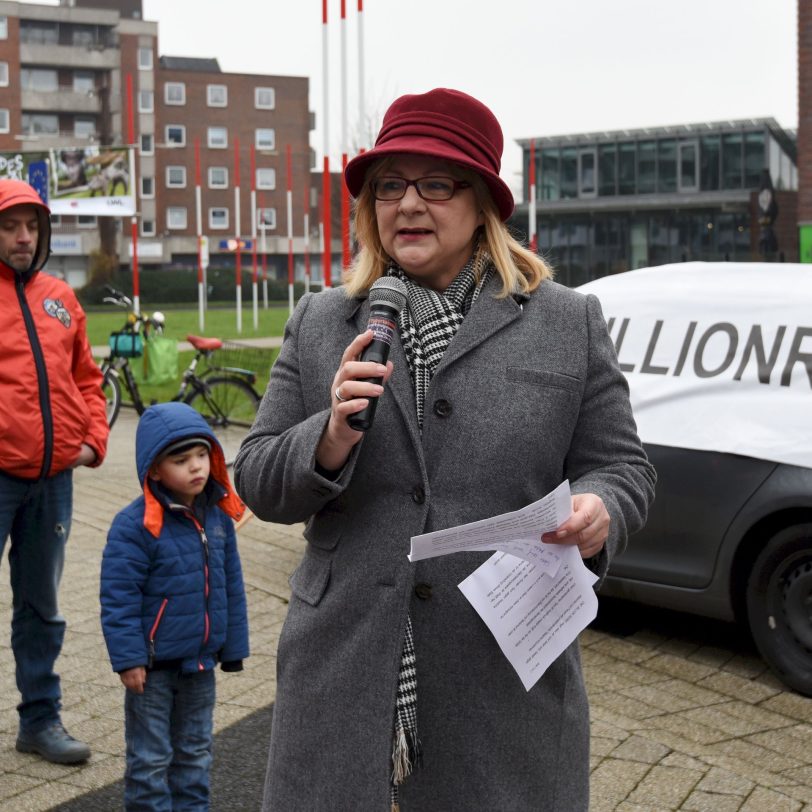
(94, 180)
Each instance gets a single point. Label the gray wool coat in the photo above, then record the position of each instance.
(528, 393)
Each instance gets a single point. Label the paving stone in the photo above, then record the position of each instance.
(793, 705)
(665, 787)
(678, 667)
(765, 800)
(699, 801)
(614, 780)
(732, 685)
(725, 782)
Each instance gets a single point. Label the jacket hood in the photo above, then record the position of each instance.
(163, 425)
(19, 193)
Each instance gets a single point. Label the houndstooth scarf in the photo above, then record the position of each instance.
(427, 326)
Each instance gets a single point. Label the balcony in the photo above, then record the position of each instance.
(62, 101)
(97, 57)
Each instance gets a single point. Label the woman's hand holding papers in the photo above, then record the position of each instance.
(587, 527)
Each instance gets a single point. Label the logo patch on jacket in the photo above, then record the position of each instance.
(55, 308)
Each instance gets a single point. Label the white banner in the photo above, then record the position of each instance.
(718, 355)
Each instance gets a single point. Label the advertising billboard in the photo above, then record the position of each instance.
(91, 180)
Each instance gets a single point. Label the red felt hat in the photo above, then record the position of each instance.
(445, 124)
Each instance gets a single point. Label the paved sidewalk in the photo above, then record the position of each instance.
(678, 723)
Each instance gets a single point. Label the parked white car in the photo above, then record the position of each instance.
(719, 362)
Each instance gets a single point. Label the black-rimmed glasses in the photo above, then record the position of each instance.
(433, 187)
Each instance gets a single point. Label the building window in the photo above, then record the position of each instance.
(266, 178)
(217, 137)
(732, 160)
(147, 228)
(176, 217)
(550, 189)
(216, 95)
(710, 156)
(569, 172)
(3, 74)
(84, 128)
(264, 98)
(646, 167)
(147, 186)
(587, 175)
(607, 169)
(40, 124)
(176, 135)
(218, 217)
(218, 177)
(666, 165)
(147, 144)
(146, 101)
(5, 126)
(626, 167)
(688, 167)
(86, 221)
(84, 81)
(755, 159)
(175, 93)
(145, 59)
(266, 219)
(265, 138)
(56, 219)
(3, 27)
(44, 80)
(176, 177)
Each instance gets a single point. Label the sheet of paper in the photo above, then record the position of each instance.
(517, 533)
(533, 615)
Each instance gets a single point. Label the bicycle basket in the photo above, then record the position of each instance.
(126, 344)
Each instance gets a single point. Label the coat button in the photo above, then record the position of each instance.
(419, 495)
(423, 591)
(442, 408)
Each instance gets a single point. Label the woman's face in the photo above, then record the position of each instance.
(430, 240)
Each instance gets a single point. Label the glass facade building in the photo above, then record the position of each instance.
(614, 201)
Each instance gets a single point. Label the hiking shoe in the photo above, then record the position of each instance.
(54, 744)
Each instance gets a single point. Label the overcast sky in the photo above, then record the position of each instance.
(545, 67)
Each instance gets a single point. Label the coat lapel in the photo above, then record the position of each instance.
(489, 315)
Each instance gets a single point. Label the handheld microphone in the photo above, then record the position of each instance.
(387, 296)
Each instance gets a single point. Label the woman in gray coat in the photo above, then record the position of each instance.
(499, 385)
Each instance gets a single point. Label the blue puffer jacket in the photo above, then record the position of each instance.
(171, 586)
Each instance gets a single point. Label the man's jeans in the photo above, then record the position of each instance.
(168, 731)
(37, 516)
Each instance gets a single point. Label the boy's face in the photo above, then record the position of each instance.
(184, 474)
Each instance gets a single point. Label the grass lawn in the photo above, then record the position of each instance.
(220, 322)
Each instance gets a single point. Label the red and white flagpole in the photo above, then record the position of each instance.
(361, 110)
(201, 308)
(134, 218)
(289, 196)
(238, 257)
(345, 194)
(531, 208)
(264, 254)
(307, 237)
(254, 286)
(325, 209)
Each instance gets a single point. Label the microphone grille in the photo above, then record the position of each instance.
(388, 290)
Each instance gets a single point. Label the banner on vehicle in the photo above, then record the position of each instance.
(718, 355)
(95, 181)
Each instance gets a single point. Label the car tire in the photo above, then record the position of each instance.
(779, 606)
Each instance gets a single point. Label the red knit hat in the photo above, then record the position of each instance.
(445, 124)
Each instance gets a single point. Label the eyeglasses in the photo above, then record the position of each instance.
(433, 188)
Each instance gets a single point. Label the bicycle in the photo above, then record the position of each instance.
(224, 395)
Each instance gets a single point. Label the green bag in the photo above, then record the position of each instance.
(159, 362)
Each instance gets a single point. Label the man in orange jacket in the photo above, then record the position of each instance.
(52, 421)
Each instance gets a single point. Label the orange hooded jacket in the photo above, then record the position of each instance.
(50, 387)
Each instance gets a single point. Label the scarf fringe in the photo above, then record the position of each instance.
(406, 755)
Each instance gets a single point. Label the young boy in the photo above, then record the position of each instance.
(173, 606)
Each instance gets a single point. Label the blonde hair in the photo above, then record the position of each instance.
(519, 269)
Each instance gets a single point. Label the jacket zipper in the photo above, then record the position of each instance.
(42, 379)
(154, 630)
(206, 623)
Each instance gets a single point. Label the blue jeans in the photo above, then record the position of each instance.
(36, 515)
(168, 732)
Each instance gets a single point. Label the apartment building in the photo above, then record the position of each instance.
(89, 72)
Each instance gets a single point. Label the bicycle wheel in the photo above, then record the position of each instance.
(112, 393)
(229, 406)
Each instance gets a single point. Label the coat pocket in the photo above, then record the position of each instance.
(309, 580)
(543, 378)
